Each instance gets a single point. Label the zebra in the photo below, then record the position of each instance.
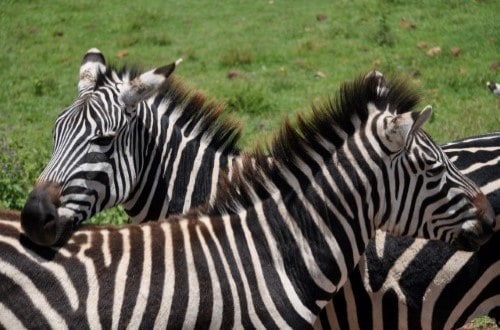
(162, 143)
(277, 241)
(494, 87)
(404, 283)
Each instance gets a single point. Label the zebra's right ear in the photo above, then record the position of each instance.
(142, 87)
(399, 128)
(93, 62)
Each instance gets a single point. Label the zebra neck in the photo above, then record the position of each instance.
(307, 227)
(178, 169)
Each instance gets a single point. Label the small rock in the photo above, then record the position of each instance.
(319, 75)
(405, 24)
(434, 51)
(122, 53)
(233, 74)
(321, 17)
(422, 45)
(455, 51)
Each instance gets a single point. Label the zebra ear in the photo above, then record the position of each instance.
(142, 87)
(93, 62)
(401, 127)
(420, 118)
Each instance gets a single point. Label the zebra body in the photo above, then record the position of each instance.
(277, 241)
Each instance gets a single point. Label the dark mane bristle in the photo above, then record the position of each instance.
(129, 71)
(207, 116)
(332, 121)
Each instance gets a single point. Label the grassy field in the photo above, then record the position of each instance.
(281, 56)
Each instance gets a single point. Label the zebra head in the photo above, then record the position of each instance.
(75, 183)
(429, 197)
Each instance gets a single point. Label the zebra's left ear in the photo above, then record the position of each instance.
(142, 87)
(401, 127)
(93, 62)
(420, 117)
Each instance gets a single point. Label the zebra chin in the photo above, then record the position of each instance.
(40, 220)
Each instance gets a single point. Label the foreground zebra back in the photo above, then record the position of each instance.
(139, 140)
(279, 240)
(404, 283)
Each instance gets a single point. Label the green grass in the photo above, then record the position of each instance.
(483, 323)
(276, 47)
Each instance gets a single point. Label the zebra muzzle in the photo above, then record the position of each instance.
(39, 218)
(476, 233)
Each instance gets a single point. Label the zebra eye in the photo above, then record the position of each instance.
(103, 139)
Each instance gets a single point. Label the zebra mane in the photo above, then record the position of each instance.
(209, 117)
(198, 112)
(250, 181)
(125, 72)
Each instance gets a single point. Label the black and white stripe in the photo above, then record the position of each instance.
(404, 283)
(129, 139)
(278, 241)
(493, 87)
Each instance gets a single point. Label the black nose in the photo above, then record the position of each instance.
(472, 240)
(39, 219)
